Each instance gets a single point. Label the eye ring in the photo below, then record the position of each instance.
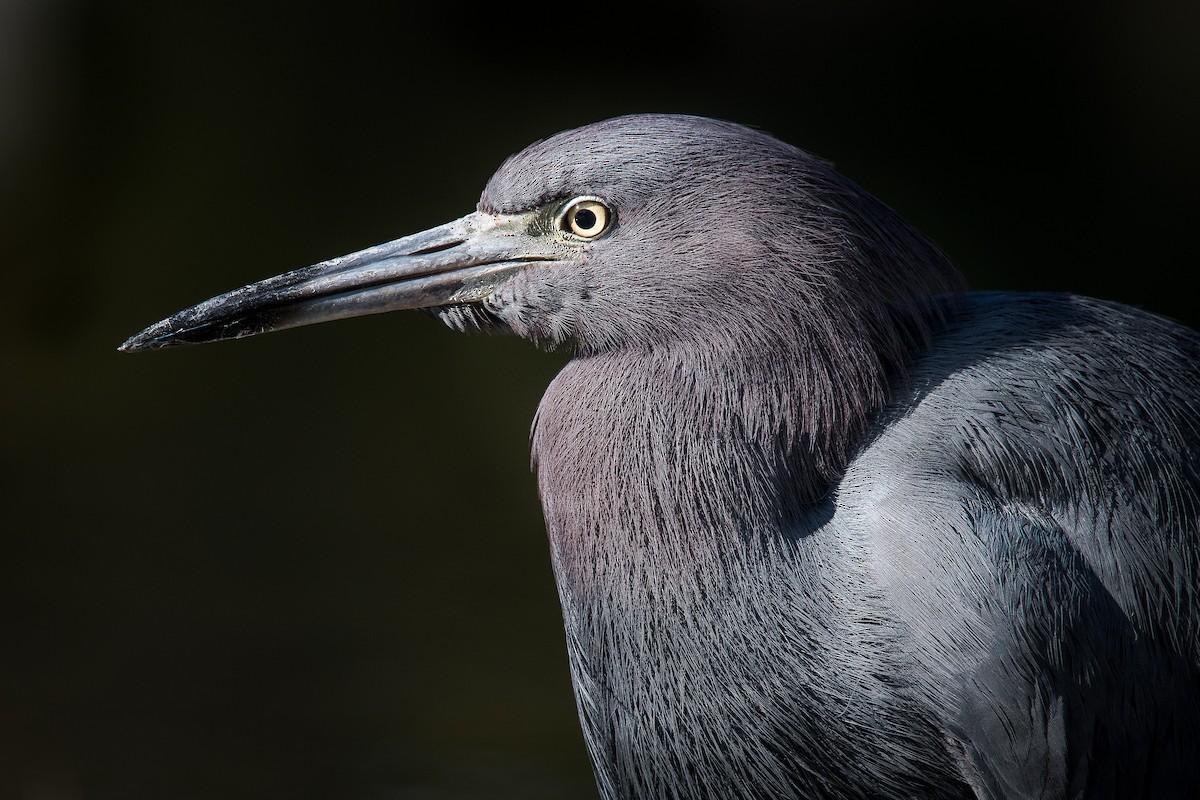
(585, 217)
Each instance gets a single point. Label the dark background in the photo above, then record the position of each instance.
(312, 565)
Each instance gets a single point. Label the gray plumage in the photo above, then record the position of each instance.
(824, 524)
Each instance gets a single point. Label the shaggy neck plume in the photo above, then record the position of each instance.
(659, 467)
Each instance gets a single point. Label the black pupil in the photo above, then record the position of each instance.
(585, 219)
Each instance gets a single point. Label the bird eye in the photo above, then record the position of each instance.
(585, 217)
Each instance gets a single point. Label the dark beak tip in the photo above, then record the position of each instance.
(149, 339)
(135, 343)
(160, 335)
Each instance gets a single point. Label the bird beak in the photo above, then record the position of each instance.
(459, 262)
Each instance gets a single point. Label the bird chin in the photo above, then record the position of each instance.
(468, 318)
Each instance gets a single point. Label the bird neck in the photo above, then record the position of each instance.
(663, 465)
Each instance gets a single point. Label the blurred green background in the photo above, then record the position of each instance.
(312, 565)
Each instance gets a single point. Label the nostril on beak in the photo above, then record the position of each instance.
(437, 248)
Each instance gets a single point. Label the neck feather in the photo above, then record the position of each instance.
(682, 456)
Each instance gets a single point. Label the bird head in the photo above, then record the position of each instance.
(632, 232)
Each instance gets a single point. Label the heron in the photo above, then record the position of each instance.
(823, 522)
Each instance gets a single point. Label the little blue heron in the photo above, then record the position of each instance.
(823, 523)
